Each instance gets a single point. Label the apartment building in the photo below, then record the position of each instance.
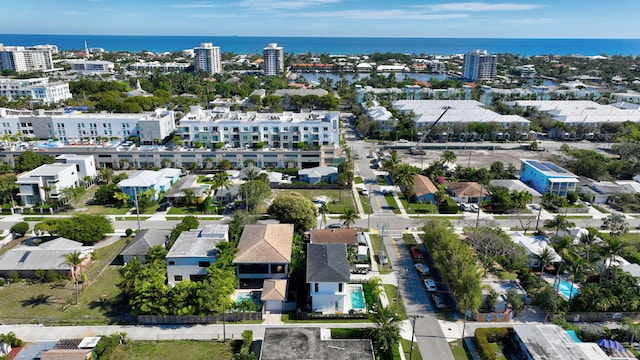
(70, 126)
(46, 183)
(207, 58)
(37, 89)
(164, 67)
(479, 65)
(27, 58)
(91, 66)
(250, 130)
(273, 56)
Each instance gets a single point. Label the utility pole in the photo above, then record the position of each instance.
(413, 332)
(135, 198)
(370, 209)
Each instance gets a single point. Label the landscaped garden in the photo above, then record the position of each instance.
(339, 200)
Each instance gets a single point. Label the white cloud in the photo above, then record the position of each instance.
(284, 4)
(194, 5)
(480, 6)
(379, 14)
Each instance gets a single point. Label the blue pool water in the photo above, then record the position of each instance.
(573, 336)
(357, 298)
(564, 288)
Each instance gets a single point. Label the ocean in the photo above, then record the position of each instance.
(336, 45)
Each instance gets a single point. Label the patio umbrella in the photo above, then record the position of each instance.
(610, 344)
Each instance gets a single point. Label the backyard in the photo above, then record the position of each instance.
(184, 350)
(99, 303)
(339, 200)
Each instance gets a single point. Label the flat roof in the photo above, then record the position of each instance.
(191, 244)
(548, 341)
(548, 168)
(306, 343)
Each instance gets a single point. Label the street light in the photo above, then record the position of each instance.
(370, 208)
(135, 197)
(413, 332)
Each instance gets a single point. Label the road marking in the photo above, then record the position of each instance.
(395, 247)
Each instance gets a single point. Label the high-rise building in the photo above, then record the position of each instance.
(479, 65)
(273, 59)
(207, 58)
(27, 58)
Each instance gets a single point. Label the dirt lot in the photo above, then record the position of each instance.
(474, 158)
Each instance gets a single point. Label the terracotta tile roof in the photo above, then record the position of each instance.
(334, 236)
(265, 244)
(423, 185)
(274, 290)
(469, 189)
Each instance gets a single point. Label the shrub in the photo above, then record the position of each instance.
(107, 344)
(448, 206)
(247, 338)
(484, 336)
(128, 232)
(20, 228)
(350, 333)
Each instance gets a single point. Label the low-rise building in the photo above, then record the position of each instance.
(535, 245)
(36, 89)
(193, 252)
(545, 176)
(424, 189)
(143, 180)
(91, 66)
(327, 174)
(547, 341)
(85, 164)
(142, 243)
(46, 183)
(328, 274)
(26, 260)
(467, 192)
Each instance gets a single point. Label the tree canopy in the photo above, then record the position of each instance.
(294, 208)
(85, 228)
(30, 160)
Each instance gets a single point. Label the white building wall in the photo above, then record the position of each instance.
(31, 185)
(207, 58)
(328, 299)
(273, 56)
(186, 267)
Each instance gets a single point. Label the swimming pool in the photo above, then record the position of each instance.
(357, 298)
(564, 288)
(573, 336)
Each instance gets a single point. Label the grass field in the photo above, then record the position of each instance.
(391, 202)
(99, 303)
(398, 305)
(413, 208)
(169, 350)
(459, 353)
(406, 349)
(339, 200)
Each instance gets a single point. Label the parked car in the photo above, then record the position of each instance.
(382, 258)
(163, 207)
(465, 207)
(422, 268)
(334, 226)
(403, 141)
(474, 208)
(416, 253)
(430, 284)
(438, 301)
(364, 192)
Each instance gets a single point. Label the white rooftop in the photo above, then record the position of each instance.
(460, 111)
(547, 341)
(190, 244)
(582, 111)
(535, 244)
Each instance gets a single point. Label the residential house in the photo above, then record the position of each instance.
(264, 252)
(281, 343)
(516, 185)
(46, 182)
(85, 164)
(348, 237)
(328, 274)
(143, 180)
(26, 260)
(274, 294)
(545, 176)
(548, 341)
(177, 195)
(601, 191)
(424, 189)
(193, 252)
(534, 246)
(467, 192)
(226, 196)
(142, 242)
(327, 174)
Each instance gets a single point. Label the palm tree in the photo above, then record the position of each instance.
(130, 272)
(349, 217)
(560, 222)
(521, 198)
(404, 179)
(588, 242)
(220, 180)
(47, 190)
(224, 164)
(544, 258)
(448, 157)
(189, 196)
(632, 327)
(74, 259)
(611, 249)
(323, 211)
(391, 164)
(10, 339)
(577, 267)
(616, 224)
(387, 334)
(106, 174)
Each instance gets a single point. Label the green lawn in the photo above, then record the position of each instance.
(412, 208)
(409, 239)
(133, 218)
(398, 305)
(406, 349)
(579, 216)
(381, 180)
(285, 317)
(169, 350)
(505, 275)
(106, 210)
(496, 350)
(48, 303)
(357, 180)
(600, 208)
(458, 351)
(339, 199)
(376, 242)
(391, 202)
(365, 204)
(183, 210)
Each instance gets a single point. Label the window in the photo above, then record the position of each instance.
(177, 277)
(316, 287)
(340, 287)
(172, 262)
(203, 264)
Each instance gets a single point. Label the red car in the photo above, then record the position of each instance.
(417, 254)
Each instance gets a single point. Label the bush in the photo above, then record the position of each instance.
(448, 206)
(128, 232)
(350, 333)
(20, 228)
(247, 338)
(107, 344)
(484, 336)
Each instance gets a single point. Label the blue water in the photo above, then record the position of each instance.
(573, 336)
(357, 298)
(334, 45)
(564, 288)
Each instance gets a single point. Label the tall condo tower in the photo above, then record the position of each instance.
(207, 58)
(273, 59)
(479, 65)
(27, 58)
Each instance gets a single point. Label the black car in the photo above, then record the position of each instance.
(163, 207)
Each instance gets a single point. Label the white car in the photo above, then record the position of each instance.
(422, 268)
(430, 284)
(474, 208)
(364, 192)
(403, 141)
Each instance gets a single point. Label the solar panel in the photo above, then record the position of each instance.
(555, 167)
(547, 166)
(25, 256)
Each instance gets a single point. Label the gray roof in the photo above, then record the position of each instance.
(145, 240)
(301, 92)
(547, 341)
(515, 185)
(48, 256)
(194, 244)
(327, 263)
(306, 343)
(318, 171)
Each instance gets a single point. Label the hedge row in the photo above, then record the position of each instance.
(484, 336)
(350, 333)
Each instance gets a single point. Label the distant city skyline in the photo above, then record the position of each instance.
(326, 18)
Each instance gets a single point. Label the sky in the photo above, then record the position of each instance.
(343, 18)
